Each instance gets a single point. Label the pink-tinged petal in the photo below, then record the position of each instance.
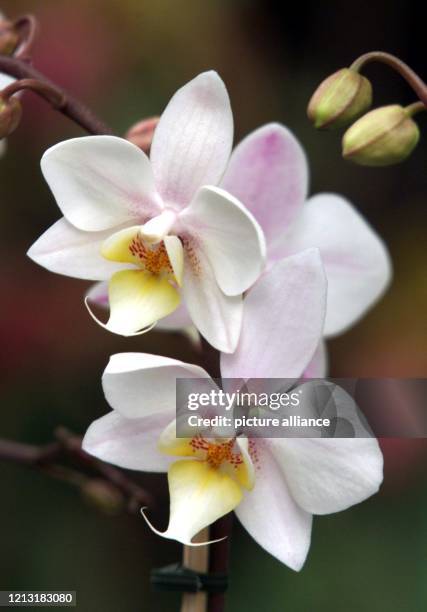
(329, 475)
(271, 515)
(129, 443)
(66, 250)
(356, 261)
(268, 172)
(138, 385)
(98, 294)
(218, 317)
(178, 320)
(231, 238)
(192, 142)
(282, 320)
(100, 182)
(318, 366)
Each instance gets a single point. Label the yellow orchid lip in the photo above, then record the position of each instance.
(148, 290)
(231, 456)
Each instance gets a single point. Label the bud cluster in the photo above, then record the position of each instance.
(381, 137)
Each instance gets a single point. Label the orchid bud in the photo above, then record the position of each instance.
(103, 496)
(340, 99)
(9, 38)
(141, 134)
(385, 136)
(10, 115)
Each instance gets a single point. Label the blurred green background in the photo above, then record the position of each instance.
(125, 58)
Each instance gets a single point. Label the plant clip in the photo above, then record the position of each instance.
(176, 577)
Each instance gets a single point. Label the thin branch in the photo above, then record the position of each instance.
(72, 108)
(410, 76)
(53, 459)
(53, 95)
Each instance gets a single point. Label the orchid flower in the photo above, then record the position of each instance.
(268, 172)
(156, 228)
(275, 486)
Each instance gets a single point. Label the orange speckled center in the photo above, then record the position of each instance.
(216, 452)
(153, 258)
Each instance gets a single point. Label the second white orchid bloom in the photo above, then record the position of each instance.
(157, 228)
(274, 485)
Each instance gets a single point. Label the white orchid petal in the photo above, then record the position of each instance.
(318, 366)
(192, 142)
(100, 182)
(66, 250)
(178, 320)
(268, 172)
(218, 317)
(282, 321)
(231, 238)
(138, 384)
(175, 251)
(356, 261)
(157, 228)
(129, 443)
(271, 515)
(329, 475)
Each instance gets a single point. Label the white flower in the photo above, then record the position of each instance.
(274, 485)
(157, 228)
(268, 172)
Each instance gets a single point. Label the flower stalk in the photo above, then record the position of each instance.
(410, 76)
(66, 447)
(56, 98)
(72, 108)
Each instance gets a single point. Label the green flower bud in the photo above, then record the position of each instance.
(340, 99)
(10, 115)
(103, 496)
(9, 38)
(384, 136)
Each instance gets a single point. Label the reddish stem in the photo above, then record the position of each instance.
(72, 108)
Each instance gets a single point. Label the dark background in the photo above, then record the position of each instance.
(126, 59)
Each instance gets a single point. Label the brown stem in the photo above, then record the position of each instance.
(219, 560)
(26, 27)
(72, 108)
(410, 76)
(196, 558)
(68, 447)
(51, 94)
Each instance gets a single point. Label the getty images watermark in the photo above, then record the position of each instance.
(310, 408)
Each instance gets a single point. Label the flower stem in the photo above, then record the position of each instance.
(196, 558)
(219, 560)
(67, 448)
(51, 94)
(72, 107)
(410, 76)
